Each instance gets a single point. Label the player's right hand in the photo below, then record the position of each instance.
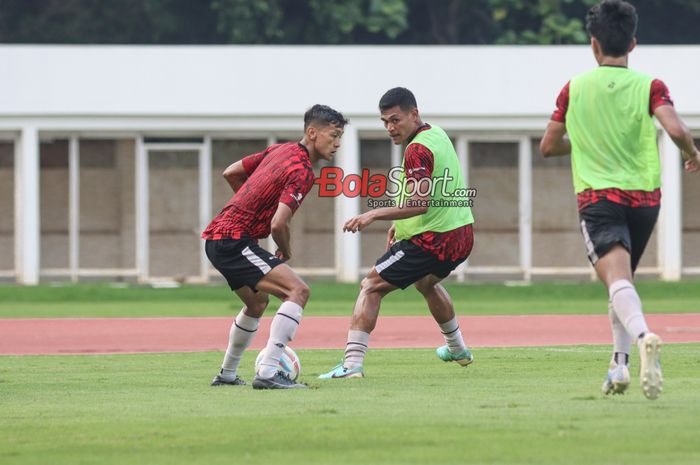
(359, 222)
(390, 239)
(693, 164)
(282, 256)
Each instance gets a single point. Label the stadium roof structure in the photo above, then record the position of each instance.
(264, 81)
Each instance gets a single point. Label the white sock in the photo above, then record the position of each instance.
(356, 348)
(453, 336)
(240, 336)
(622, 341)
(284, 327)
(628, 307)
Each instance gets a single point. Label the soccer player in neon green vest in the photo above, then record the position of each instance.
(430, 236)
(608, 115)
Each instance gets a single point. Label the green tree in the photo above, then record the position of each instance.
(329, 21)
(106, 21)
(308, 21)
(254, 22)
(542, 22)
(500, 21)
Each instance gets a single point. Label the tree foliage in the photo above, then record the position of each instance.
(539, 22)
(309, 21)
(329, 21)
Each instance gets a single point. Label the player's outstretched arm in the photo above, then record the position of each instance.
(554, 143)
(235, 175)
(680, 134)
(280, 231)
(417, 207)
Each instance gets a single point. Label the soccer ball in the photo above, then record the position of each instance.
(289, 363)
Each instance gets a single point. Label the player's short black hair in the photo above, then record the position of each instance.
(398, 96)
(324, 115)
(614, 24)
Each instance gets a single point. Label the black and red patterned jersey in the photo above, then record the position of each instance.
(449, 245)
(280, 174)
(418, 159)
(628, 198)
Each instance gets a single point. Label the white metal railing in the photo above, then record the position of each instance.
(89, 272)
(27, 268)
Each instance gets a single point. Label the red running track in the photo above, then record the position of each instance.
(137, 335)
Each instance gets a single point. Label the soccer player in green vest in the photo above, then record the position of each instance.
(608, 115)
(430, 236)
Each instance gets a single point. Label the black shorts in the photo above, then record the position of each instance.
(606, 223)
(241, 261)
(405, 263)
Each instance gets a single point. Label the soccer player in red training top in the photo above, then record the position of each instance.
(269, 187)
(431, 234)
(608, 115)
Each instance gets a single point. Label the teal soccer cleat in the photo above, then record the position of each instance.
(339, 371)
(464, 358)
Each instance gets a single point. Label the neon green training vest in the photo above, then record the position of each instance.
(613, 138)
(438, 218)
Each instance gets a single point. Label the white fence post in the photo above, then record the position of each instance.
(74, 206)
(462, 149)
(205, 201)
(670, 217)
(347, 245)
(142, 207)
(27, 213)
(525, 205)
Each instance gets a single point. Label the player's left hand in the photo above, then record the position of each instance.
(358, 223)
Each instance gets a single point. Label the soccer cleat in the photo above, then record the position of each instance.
(280, 380)
(650, 366)
(339, 371)
(617, 381)
(464, 358)
(219, 380)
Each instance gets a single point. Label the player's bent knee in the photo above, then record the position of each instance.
(375, 285)
(305, 292)
(263, 303)
(258, 307)
(364, 284)
(425, 288)
(301, 294)
(428, 285)
(368, 286)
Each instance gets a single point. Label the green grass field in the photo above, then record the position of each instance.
(334, 299)
(513, 406)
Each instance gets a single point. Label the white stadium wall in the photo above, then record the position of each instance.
(110, 156)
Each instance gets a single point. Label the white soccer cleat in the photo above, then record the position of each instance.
(650, 366)
(617, 381)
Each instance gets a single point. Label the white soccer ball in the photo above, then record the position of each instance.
(289, 363)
